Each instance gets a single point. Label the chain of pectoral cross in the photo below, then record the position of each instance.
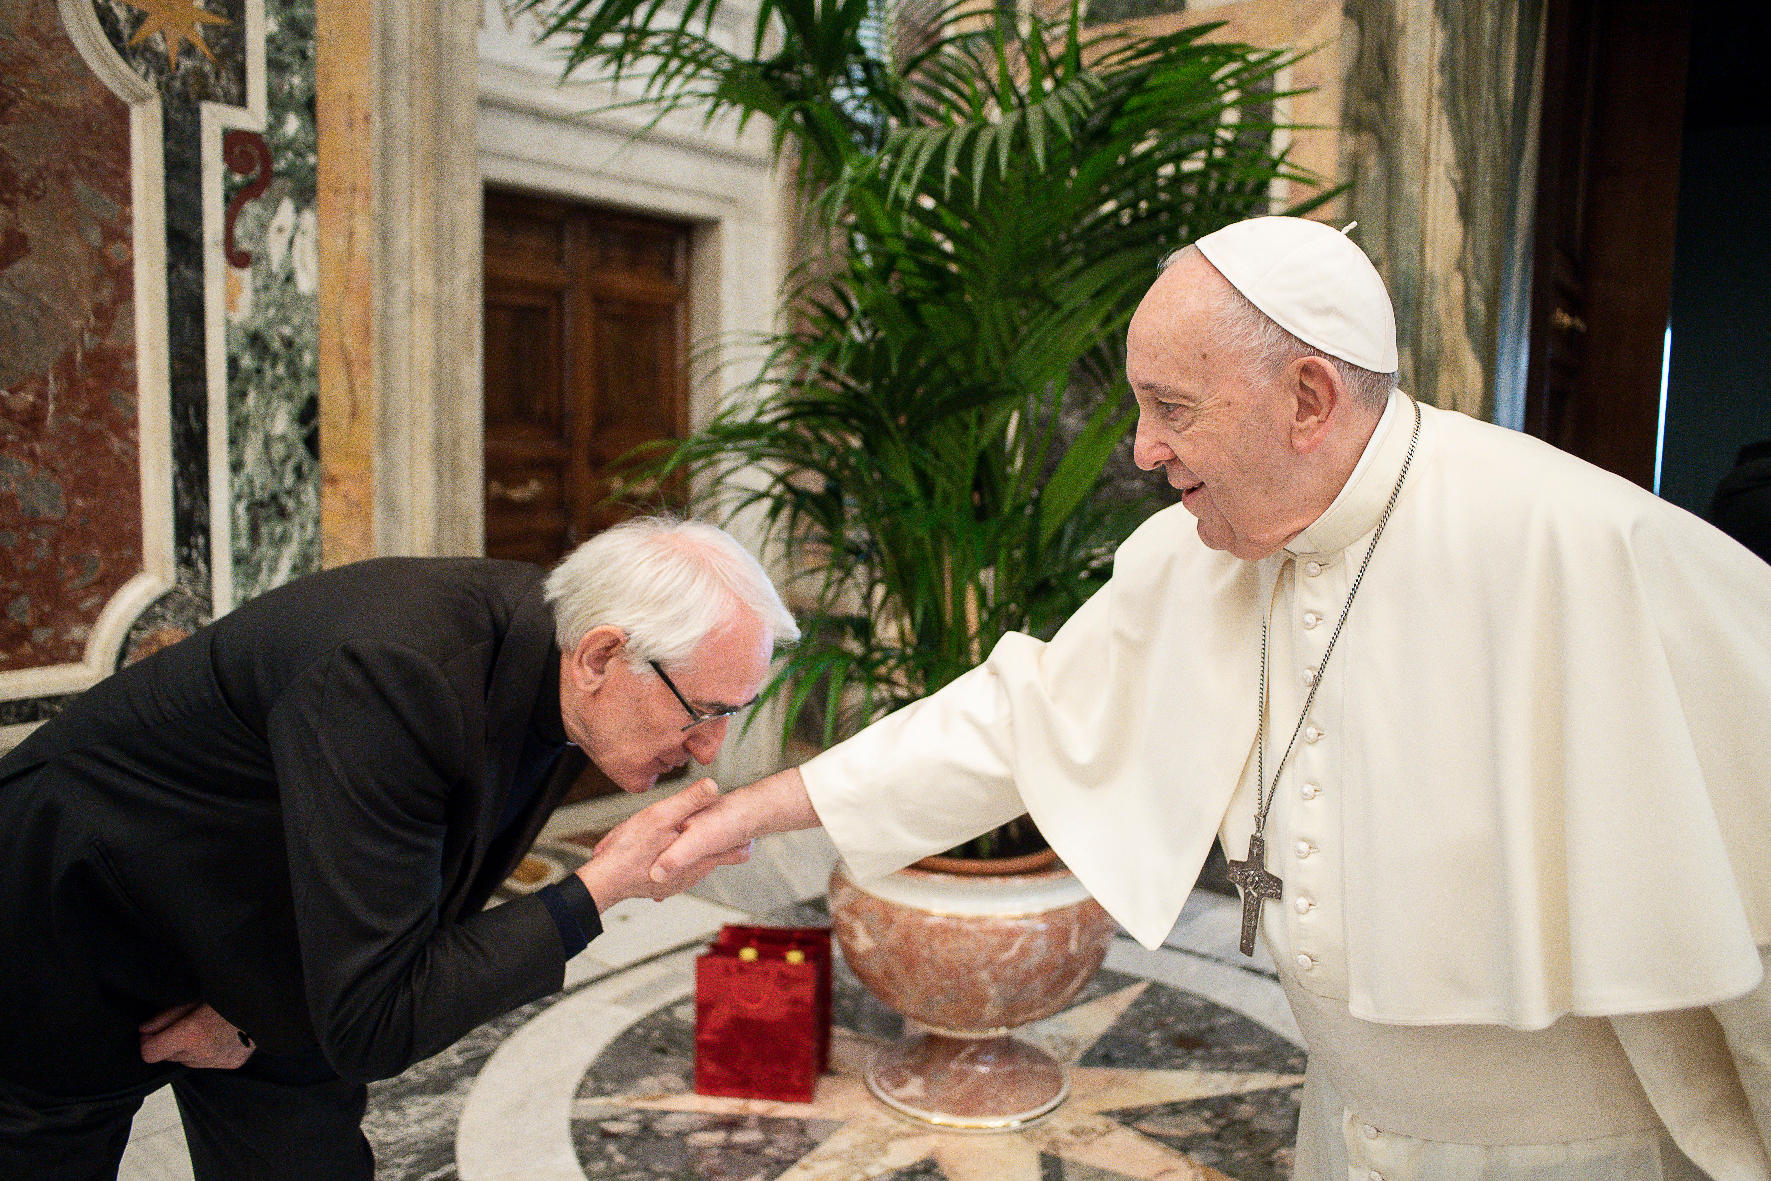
(1250, 874)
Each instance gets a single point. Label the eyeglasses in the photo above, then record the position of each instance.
(697, 717)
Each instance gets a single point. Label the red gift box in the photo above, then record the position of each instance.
(762, 1013)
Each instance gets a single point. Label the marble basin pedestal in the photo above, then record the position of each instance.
(968, 959)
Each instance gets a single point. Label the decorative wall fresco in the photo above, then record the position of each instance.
(215, 347)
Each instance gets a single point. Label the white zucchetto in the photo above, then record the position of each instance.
(1313, 282)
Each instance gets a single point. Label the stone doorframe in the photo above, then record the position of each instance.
(422, 102)
(399, 278)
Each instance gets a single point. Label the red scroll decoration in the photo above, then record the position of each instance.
(246, 154)
(762, 1013)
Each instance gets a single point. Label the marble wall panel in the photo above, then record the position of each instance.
(157, 261)
(1439, 133)
(70, 490)
(272, 283)
(345, 205)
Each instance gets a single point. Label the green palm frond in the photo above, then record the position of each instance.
(929, 437)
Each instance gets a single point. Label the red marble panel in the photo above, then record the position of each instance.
(70, 488)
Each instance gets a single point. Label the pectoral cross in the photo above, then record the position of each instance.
(1256, 884)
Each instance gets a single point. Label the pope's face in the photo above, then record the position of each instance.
(1216, 426)
(630, 723)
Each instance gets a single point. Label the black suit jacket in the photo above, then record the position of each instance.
(292, 815)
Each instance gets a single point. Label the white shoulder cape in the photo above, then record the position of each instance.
(1559, 698)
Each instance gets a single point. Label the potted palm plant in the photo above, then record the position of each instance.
(929, 435)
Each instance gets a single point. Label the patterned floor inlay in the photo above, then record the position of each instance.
(1164, 1085)
(595, 1083)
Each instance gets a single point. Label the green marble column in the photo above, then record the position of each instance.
(273, 319)
(1439, 121)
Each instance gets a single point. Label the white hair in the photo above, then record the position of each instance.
(666, 583)
(1253, 334)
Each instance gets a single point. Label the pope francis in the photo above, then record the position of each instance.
(1483, 730)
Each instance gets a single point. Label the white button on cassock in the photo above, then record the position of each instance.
(1304, 905)
(1305, 962)
(1304, 849)
(1312, 568)
(1312, 734)
(1310, 791)
(1311, 619)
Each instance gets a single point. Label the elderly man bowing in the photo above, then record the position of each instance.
(255, 864)
(1482, 729)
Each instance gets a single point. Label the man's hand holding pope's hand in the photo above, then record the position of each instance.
(624, 864)
(723, 831)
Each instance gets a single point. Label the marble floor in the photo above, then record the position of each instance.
(1184, 1063)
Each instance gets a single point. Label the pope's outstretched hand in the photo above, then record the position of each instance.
(723, 831)
(624, 864)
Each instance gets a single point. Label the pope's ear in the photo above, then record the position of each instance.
(1317, 391)
(588, 662)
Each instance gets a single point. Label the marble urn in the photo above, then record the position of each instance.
(968, 958)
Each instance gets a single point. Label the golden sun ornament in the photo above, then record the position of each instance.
(177, 21)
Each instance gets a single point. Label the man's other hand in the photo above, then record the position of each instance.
(194, 1035)
(622, 864)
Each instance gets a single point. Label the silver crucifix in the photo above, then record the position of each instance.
(1256, 884)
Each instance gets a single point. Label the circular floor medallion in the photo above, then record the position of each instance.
(600, 1087)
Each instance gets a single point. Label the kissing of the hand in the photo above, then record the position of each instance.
(707, 841)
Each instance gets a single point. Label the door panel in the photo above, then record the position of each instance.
(1614, 81)
(585, 326)
(586, 319)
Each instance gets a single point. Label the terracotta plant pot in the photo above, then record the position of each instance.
(970, 958)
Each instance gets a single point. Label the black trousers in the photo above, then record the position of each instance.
(274, 1119)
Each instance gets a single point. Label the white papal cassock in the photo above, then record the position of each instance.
(1525, 835)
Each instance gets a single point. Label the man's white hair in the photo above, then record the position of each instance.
(666, 583)
(1253, 334)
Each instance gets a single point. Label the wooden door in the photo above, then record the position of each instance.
(585, 336)
(585, 354)
(1608, 182)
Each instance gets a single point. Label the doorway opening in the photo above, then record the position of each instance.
(586, 358)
